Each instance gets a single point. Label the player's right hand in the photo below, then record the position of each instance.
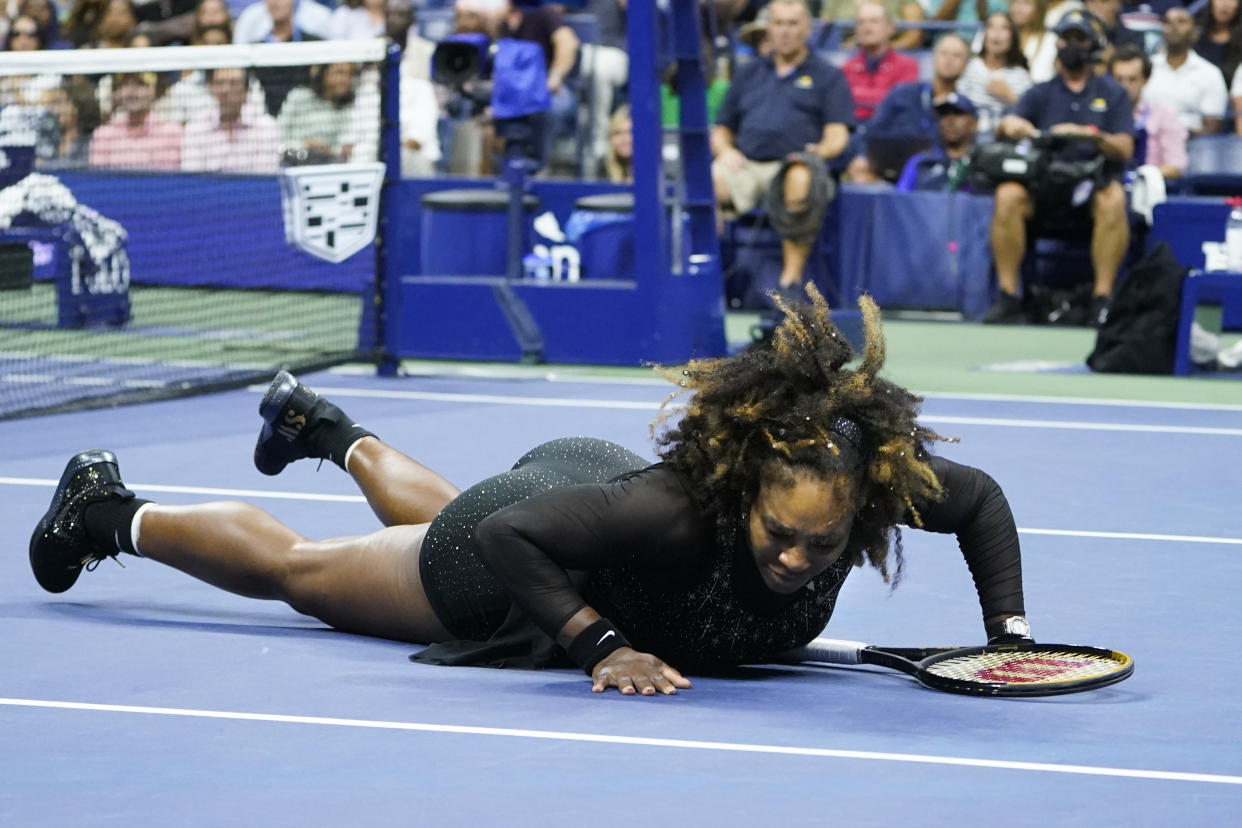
(633, 672)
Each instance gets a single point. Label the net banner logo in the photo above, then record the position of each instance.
(331, 210)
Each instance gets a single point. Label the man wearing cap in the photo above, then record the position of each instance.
(782, 118)
(943, 167)
(1093, 113)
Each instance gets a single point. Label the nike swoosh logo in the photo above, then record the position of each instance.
(117, 536)
(605, 637)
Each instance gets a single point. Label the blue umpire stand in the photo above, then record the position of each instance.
(669, 309)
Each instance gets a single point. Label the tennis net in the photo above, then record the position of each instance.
(181, 219)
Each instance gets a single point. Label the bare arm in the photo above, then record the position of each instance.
(832, 142)
(910, 38)
(564, 54)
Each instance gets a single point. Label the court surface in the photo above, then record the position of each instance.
(143, 697)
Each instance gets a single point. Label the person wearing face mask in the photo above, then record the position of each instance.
(785, 471)
(1093, 116)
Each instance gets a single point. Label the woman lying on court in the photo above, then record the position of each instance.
(784, 471)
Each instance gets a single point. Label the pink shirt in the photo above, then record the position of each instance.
(870, 87)
(1166, 134)
(155, 145)
(251, 146)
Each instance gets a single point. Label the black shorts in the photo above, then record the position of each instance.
(462, 593)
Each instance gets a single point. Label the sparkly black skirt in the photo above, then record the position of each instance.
(464, 595)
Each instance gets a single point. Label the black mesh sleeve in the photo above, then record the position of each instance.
(646, 519)
(975, 509)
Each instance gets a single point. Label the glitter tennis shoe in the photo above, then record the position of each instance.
(59, 547)
(293, 416)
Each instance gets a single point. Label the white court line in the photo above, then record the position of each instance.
(202, 490)
(1100, 401)
(510, 372)
(629, 405)
(274, 495)
(600, 738)
(1079, 425)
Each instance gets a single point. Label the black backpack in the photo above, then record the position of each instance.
(1140, 334)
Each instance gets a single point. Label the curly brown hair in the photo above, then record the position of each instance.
(783, 404)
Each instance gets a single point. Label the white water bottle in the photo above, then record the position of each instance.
(1233, 235)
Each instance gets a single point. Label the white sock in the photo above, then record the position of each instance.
(133, 528)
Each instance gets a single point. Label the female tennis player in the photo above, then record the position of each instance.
(784, 471)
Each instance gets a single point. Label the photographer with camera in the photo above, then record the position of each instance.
(1090, 122)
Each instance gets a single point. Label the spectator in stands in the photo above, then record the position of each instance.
(189, 98)
(789, 112)
(419, 107)
(26, 35)
(282, 21)
(81, 20)
(1220, 35)
(1108, 12)
(546, 26)
(1159, 135)
(1039, 44)
(619, 161)
(477, 16)
(1058, 9)
(184, 27)
(1186, 81)
(609, 64)
(967, 12)
(164, 21)
(876, 68)
(233, 138)
(76, 115)
(46, 15)
(1095, 117)
(943, 167)
(115, 23)
(210, 14)
(134, 137)
(909, 109)
(314, 119)
(906, 11)
(998, 75)
(354, 19)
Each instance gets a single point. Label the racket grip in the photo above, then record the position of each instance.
(828, 651)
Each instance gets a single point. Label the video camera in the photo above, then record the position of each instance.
(509, 76)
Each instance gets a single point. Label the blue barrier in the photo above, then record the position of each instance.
(234, 222)
(1186, 223)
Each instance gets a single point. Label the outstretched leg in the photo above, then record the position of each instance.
(367, 585)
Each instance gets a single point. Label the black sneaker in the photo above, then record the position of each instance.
(292, 416)
(59, 547)
(1006, 310)
(1098, 314)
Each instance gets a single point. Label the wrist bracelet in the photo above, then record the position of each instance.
(595, 643)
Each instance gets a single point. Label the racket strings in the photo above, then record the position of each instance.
(1029, 667)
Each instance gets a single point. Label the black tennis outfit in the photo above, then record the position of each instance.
(570, 525)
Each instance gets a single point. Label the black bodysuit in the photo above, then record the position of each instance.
(641, 552)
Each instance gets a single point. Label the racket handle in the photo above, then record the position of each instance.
(828, 651)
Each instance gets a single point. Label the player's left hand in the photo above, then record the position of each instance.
(633, 672)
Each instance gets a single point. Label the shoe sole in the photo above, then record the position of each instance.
(284, 386)
(278, 393)
(42, 542)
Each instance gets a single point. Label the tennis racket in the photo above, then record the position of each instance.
(1020, 669)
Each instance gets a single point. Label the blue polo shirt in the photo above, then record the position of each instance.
(906, 110)
(1102, 103)
(772, 115)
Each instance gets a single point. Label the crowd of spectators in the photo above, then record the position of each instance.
(902, 89)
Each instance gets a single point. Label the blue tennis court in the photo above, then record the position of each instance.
(142, 696)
